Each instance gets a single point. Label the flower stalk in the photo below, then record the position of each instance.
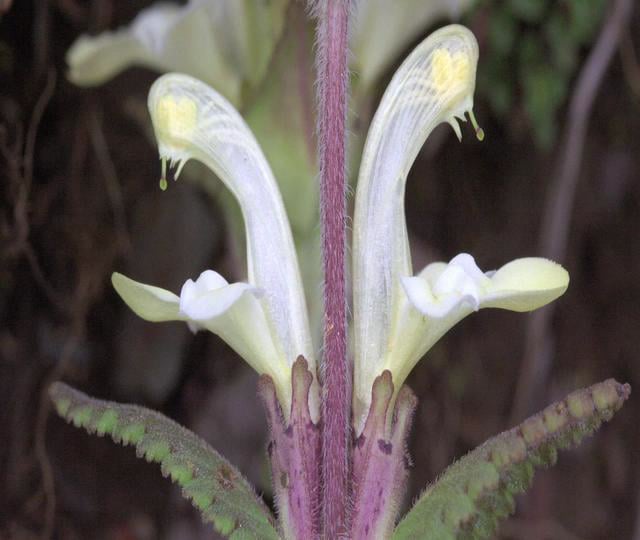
(332, 70)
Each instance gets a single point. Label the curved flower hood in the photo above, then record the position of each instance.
(397, 317)
(192, 121)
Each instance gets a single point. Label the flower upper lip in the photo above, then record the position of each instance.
(415, 102)
(265, 318)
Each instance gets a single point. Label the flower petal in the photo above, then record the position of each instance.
(94, 60)
(434, 84)
(432, 271)
(214, 302)
(165, 37)
(231, 311)
(426, 313)
(150, 303)
(192, 120)
(244, 327)
(420, 295)
(235, 313)
(239, 37)
(526, 284)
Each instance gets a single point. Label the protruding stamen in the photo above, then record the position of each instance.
(178, 168)
(474, 122)
(174, 167)
(163, 174)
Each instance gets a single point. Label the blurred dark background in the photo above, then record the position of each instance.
(557, 176)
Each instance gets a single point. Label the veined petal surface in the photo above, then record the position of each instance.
(191, 120)
(435, 84)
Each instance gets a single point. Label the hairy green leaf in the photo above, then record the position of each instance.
(478, 490)
(213, 485)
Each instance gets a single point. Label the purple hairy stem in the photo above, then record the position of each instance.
(381, 461)
(293, 454)
(332, 90)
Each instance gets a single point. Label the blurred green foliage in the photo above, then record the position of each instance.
(532, 54)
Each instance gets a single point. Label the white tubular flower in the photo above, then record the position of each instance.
(397, 317)
(265, 319)
(238, 36)
(164, 37)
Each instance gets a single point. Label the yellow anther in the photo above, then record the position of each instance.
(176, 119)
(450, 72)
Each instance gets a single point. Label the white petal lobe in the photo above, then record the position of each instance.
(150, 303)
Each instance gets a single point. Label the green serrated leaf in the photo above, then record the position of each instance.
(478, 490)
(213, 485)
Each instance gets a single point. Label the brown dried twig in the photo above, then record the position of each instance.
(112, 184)
(44, 408)
(22, 172)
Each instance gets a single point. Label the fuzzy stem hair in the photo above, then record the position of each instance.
(332, 92)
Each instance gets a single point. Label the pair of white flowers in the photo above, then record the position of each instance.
(239, 37)
(397, 316)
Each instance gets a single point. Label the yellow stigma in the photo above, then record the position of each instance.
(450, 73)
(176, 119)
